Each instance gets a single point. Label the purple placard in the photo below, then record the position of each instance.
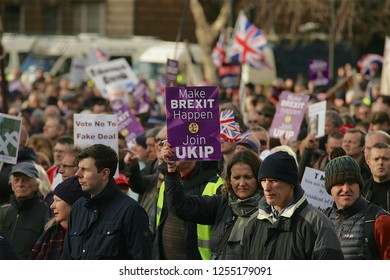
(193, 122)
(172, 71)
(289, 115)
(319, 72)
(128, 125)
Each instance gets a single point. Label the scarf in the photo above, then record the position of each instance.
(244, 207)
(49, 245)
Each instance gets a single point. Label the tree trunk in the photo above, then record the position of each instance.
(206, 35)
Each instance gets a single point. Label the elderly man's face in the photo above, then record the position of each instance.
(23, 186)
(277, 193)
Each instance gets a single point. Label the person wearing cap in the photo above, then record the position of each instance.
(287, 227)
(251, 143)
(49, 246)
(122, 183)
(343, 181)
(109, 218)
(22, 221)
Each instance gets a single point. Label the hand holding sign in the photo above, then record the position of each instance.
(166, 154)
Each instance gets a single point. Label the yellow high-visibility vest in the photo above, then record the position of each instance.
(203, 231)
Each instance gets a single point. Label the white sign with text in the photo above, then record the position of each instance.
(313, 182)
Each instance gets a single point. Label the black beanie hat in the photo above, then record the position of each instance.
(69, 190)
(340, 170)
(281, 166)
(141, 140)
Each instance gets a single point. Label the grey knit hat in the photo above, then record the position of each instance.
(340, 170)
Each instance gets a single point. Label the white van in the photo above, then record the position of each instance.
(54, 54)
(16, 48)
(151, 64)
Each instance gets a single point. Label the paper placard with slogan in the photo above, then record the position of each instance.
(9, 138)
(317, 113)
(319, 72)
(115, 78)
(128, 125)
(77, 71)
(288, 116)
(193, 122)
(313, 182)
(172, 71)
(92, 129)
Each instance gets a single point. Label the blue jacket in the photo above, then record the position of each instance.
(110, 225)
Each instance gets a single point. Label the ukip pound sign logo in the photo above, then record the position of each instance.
(193, 128)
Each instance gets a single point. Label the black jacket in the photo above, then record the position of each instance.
(204, 173)
(6, 250)
(110, 225)
(209, 210)
(378, 193)
(22, 223)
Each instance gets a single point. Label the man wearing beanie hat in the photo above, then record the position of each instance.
(49, 245)
(23, 219)
(287, 227)
(356, 220)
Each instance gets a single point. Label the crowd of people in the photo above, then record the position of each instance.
(61, 201)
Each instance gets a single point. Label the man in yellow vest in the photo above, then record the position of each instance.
(175, 238)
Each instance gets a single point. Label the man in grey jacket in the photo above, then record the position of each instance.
(287, 227)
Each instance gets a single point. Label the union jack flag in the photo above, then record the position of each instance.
(369, 64)
(248, 44)
(160, 86)
(218, 54)
(230, 129)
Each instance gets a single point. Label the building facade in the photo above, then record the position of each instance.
(111, 18)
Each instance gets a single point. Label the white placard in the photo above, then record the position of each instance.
(9, 138)
(92, 129)
(114, 76)
(317, 113)
(313, 182)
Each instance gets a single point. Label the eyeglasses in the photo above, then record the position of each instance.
(63, 165)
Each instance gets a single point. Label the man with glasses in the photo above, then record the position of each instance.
(68, 166)
(63, 144)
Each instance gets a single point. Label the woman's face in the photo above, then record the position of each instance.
(243, 181)
(61, 211)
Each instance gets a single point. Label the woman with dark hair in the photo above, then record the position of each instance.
(226, 213)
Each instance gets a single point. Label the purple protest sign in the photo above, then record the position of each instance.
(128, 125)
(172, 71)
(319, 72)
(288, 116)
(193, 122)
